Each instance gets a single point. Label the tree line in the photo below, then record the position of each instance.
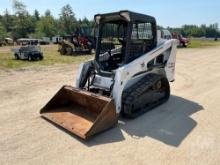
(22, 24)
(211, 31)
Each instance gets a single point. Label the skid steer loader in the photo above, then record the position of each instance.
(129, 75)
(80, 42)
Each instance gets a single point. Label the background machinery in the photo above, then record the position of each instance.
(79, 42)
(129, 75)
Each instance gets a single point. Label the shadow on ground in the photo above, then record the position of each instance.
(169, 123)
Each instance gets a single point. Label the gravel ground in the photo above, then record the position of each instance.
(185, 130)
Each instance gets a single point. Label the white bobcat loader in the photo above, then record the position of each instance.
(130, 75)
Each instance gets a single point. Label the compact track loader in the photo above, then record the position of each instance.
(129, 75)
(81, 42)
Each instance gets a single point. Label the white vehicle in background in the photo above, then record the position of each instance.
(56, 39)
(165, 34)
(27, 41)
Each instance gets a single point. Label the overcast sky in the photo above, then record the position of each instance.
(172, 13)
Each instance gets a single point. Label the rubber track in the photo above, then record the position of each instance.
(133, 92)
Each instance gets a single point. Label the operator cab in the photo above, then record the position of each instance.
(121, 38)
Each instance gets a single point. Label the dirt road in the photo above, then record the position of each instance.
(185, 130)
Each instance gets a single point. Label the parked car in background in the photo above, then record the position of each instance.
(182, 40)
(29, 53)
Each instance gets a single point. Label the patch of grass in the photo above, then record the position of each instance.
(199, 43)
(51, 57)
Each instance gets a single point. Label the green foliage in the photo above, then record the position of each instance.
(36, 15)
(19, 7)
(37, 34)
(21, 24)
(67, 21)
(2, 32)
(46, 26)
(51, 57)
(199, 43)
(7, 21)
(198, 31)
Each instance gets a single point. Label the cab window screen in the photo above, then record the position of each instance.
(142, 31)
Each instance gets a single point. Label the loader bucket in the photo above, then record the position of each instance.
(80, 112)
